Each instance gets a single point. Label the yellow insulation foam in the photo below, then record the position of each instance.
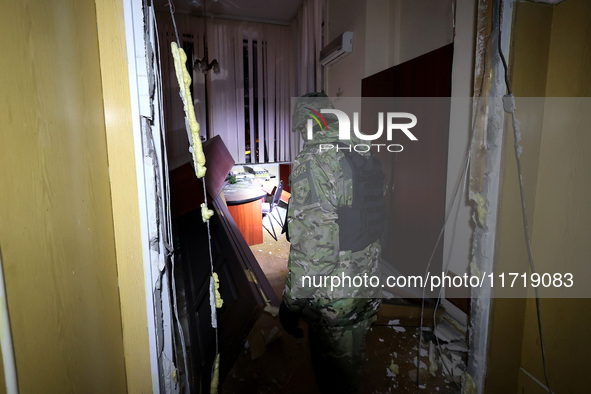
(184, 80)
(218, 298)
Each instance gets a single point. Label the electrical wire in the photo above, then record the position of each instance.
(509, 106)
(439, 296)
(168, 240)
(214, 311)
(465, 177)
(465, 166)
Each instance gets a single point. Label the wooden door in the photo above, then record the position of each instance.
(243, 300)
(416, 177)
(243, 285)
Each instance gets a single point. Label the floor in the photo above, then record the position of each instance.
(275, 362)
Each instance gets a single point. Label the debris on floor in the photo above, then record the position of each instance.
(276, 362)
(445, 331)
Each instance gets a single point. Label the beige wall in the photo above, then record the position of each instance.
(344, 77)
(551, 57)
(385, 33)
(56, 225)
(561, 230)
(421, 26)
(389, 32)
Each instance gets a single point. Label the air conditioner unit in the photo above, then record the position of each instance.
(338, 48)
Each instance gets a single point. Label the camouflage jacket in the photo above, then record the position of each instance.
(321, 182)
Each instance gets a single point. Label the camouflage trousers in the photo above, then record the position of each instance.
(338, 353)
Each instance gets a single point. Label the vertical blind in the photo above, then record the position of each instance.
(248, 103)
(250, 98)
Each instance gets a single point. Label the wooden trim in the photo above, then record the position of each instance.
(124, 193)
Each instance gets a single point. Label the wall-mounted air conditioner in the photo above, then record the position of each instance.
(339, 47)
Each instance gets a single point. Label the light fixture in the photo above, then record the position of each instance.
(204, 65)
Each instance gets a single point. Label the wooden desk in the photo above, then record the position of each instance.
(244, 202)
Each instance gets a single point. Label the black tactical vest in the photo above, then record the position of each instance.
(364, 221)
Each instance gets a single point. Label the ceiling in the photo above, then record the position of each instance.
(271, 11)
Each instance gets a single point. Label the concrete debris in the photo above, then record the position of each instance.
(395, 325)
(447, 365)
(456, 368)
(421, 364)
(448, 333)
(273, 335)
(458, 326)
(459, 346)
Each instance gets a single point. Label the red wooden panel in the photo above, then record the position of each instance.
(219, 162)
(416, 177)
(186, 191)
(284, 172)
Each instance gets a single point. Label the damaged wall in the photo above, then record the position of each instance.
(552, 58)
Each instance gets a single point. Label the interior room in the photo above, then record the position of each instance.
(147, 155)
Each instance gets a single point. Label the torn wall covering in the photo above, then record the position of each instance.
(157, 231)
(493, 24)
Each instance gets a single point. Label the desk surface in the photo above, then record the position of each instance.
(243, 192)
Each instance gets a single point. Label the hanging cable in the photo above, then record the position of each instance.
(509, 107)
(176, 32)
(168, 219)
(215, 365)
(465, 167)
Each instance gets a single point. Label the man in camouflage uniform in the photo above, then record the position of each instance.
(338, 318)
